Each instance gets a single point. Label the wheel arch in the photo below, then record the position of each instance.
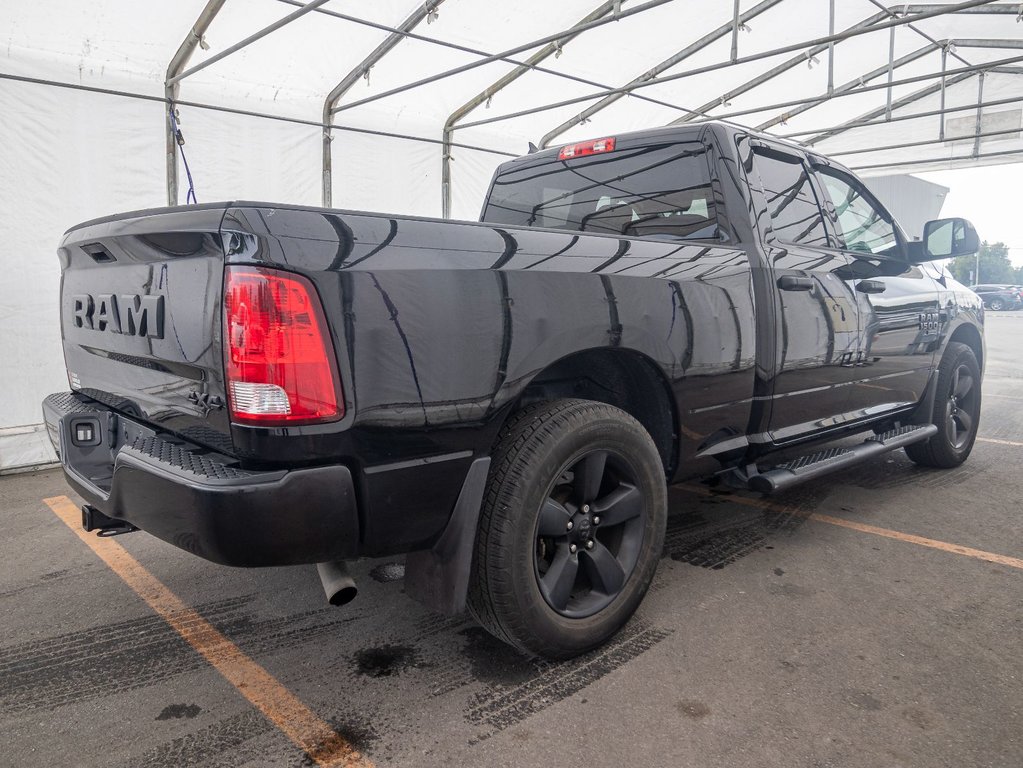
(968, 334)
(624, 378)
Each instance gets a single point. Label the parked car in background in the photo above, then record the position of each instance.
(1000, 296)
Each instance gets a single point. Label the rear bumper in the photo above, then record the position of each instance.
(198, 500)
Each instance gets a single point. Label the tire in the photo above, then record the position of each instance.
(956, 412)
(557, 467)
(997, 305)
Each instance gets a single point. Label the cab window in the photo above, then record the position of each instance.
(862, 226)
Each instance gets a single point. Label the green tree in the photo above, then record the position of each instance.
(995, 266)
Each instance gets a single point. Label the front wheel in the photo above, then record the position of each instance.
(997, 305)
(571, 528)
(956, 411)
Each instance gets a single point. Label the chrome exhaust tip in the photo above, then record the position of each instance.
(338, 583)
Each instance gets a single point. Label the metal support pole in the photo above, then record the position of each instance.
(918, 13)
(846, 89)
(220, 109)
(831, 47)
(171, 90)
(1014, 132)
(474, 51)
(970, 42)
(505, 54)
(980, 113)
(891, 73)
(775, 71)
(735, 32)
(924, 35)
(789, 64)
(652, 73)
(961, 73)
(856, 87)
(311, 6)
(944, 66)
(551, 49)
(940, 160)
(863, 122)
(362, 69)
(994, 66)
(850, 89)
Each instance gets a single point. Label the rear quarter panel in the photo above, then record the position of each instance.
(441, 325)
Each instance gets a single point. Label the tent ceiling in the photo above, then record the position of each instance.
(855, 78)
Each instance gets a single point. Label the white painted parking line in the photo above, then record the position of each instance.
(999, 442)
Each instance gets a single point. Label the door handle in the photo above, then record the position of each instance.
(793, 283)
(871, 286)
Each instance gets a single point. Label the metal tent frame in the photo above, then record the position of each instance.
(888, 17)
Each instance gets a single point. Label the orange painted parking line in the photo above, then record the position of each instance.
(299, 723)
(999, 442)
(958, 549)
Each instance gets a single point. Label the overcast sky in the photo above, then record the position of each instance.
(990, 197)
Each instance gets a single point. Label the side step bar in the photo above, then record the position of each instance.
(831, 459)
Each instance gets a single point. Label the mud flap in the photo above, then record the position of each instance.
(924, 411)
(439, 577)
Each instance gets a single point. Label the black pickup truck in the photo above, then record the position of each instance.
(505, 400)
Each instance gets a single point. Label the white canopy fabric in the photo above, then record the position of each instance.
(83, 117)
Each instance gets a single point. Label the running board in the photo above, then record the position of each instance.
(832, 459)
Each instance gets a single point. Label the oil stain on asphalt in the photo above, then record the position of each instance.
(385, 660)
(694, 710)
(177, 711)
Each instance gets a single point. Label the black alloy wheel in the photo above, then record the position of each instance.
(961, 407)
(571, 528)
(956, 410)
(589, 534)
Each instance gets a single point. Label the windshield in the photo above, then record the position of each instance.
(654, 191)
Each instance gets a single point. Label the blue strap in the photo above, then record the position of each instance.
(190, 197)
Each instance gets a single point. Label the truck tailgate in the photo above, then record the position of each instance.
(141, 319)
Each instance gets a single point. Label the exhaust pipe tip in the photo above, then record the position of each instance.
(338, 584)
(343, 596)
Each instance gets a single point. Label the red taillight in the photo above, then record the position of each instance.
(594, 147)
(278, 357)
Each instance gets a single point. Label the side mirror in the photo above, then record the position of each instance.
(948, 238)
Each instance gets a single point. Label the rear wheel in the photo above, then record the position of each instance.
(997, 304)
(571, 528)
(956, 411)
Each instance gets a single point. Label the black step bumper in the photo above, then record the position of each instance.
(198, 500)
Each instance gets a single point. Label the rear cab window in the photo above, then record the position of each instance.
(661, 191)
(796, 215)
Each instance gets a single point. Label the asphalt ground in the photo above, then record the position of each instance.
(873, 618)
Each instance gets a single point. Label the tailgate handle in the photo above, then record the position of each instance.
(870, 286)
(99, 254)
(793, 283)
